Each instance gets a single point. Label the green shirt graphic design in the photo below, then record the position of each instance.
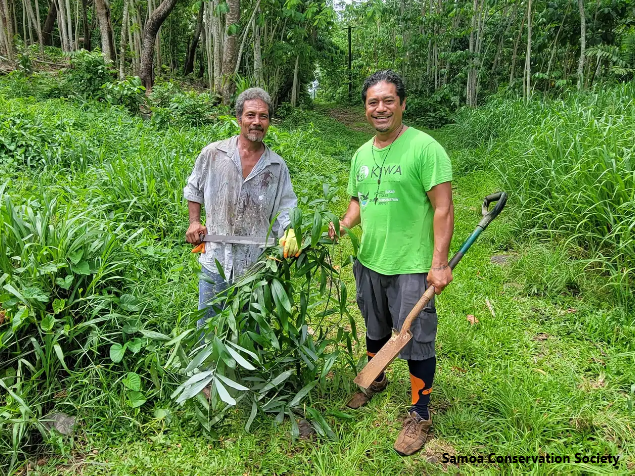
(397, 216)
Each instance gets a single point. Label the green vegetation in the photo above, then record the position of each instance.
(451, 54)
(569, 165)
(99, 294)
(95, 299)
(98, 291)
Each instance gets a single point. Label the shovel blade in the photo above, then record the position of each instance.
(382, 359)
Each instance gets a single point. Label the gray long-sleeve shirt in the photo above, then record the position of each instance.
(236, 206)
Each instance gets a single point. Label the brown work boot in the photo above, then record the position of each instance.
(362, 397)
(413, 435)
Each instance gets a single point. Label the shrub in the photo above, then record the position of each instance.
(433, 112)
(87, 74)
(24, 142)
(128, 93)
(60, 273)
(284, 111)
(171, 106)
(277, 333)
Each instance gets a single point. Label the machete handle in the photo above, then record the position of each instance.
(199, 248)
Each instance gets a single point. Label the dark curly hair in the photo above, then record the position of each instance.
(389, 76)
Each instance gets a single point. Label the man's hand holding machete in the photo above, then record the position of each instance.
(243, 185)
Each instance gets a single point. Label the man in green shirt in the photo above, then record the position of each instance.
(401, 194)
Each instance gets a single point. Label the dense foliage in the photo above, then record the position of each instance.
(456, 53)
(97, 296)
(98, 290)
(568, 164)
(450, 53)
(277, 333)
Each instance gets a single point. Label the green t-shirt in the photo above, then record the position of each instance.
(397, 216)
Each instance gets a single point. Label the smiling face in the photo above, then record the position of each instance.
(255, 120)
(384, 109)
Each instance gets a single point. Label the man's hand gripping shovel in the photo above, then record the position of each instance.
(397, 342)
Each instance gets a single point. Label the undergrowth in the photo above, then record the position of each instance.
(96, 280)
(568, 165)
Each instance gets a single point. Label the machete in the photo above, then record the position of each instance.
(239, 240)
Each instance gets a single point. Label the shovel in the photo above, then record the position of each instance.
(391, 349)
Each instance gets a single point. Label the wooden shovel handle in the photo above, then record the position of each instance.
(425, 299)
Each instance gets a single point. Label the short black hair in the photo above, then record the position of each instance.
(389, 76)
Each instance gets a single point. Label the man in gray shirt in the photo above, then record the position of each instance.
(243, 185)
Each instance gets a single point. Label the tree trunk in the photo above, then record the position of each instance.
(515, 53)
(49, 24)
(61, 25)
(208, 47)
(294, 90)
(76, 45)
(26, 30)
(12, 16)
(582, 45)
(527, 75)
(87, 30)
(69, 25)
(218, 41)
(137, 40)
(158, 53)
(209, 38)
(470, 96)
(245, 34)
(191, 52)
(122, 44)
(257, 57)
(105, 28)
(6, 31)
(149, 37)
(34, 21)
(131, 41)
(39, 24)
(230, 50)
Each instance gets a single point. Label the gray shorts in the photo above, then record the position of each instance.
(385, 302)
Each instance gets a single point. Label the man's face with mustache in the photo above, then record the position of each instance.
(384, 109)
(255, 120)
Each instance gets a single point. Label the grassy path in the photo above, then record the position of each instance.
(524, 380)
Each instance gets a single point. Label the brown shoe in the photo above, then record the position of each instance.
(413, 434)
(363, 397)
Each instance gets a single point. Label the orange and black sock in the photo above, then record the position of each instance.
(421, 377)
(372, 347)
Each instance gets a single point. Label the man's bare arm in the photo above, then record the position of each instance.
(192, 235)
(440, 196)
(351, 218)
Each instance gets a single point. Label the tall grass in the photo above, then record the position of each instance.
(569, 166)
(95, 276)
